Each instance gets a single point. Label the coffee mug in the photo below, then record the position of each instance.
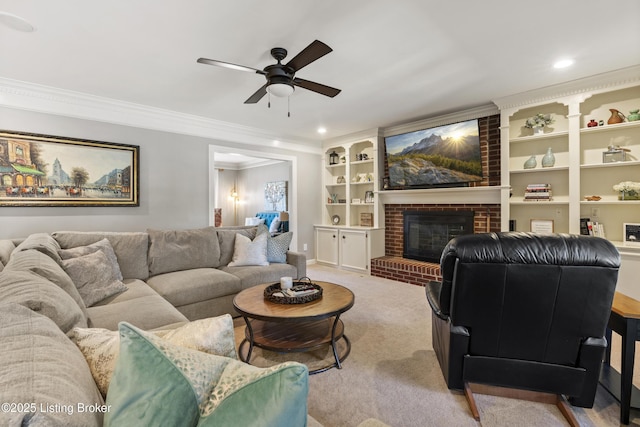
(286, 283)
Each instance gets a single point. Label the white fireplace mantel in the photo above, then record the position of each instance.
(448, 196)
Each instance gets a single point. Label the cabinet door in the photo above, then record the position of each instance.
(354, 250)
(327, 246)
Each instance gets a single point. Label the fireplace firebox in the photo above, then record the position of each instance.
(427, 233)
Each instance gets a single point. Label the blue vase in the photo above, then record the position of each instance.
(549, 159)
(531, 163)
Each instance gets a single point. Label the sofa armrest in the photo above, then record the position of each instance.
(433, 297)
(299, 261)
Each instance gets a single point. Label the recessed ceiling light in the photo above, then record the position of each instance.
(15, 22)
(322, 130)
(563, 63)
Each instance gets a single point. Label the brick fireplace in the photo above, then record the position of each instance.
(483, 202)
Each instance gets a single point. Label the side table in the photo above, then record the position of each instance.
(624, 320)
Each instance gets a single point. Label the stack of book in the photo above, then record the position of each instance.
(537, 192)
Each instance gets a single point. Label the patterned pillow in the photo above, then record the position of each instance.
(103, 245)
(158, 383)
(247, 252)
(94, 276)
(278, 246)
(100, 347)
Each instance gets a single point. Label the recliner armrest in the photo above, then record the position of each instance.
(433, 297)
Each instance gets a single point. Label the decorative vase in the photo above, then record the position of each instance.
(549, 159)
(629, 195)
(616, 117)
(531, 163)
(634, 115)
(592, 123)
(538, 130)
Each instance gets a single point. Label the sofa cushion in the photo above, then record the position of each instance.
(175, 250)
(41, 242)
(250, 252)
(190, 286)
(40, 295)
(131, 248)
(95, 277)
(227, 240)
(143, 308)
(156, 383)
(102, 246)
(45, 267)
(100, 347)
(39, 365)
(6, 248)
(253, 275)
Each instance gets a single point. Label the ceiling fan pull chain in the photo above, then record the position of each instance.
(269, 101)
(288, 106)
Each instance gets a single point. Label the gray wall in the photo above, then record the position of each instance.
(174, 181)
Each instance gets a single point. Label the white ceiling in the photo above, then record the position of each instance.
(395, 61)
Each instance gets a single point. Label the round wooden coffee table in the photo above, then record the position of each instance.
(292, 328)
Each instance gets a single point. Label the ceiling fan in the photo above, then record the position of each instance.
(281, 79)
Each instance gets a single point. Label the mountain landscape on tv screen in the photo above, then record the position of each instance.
(437, 161)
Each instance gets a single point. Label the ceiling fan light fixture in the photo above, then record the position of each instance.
(280, 90)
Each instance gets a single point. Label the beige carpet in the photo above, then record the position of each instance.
(392, 373)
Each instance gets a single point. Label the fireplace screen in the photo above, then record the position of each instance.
(427, 233)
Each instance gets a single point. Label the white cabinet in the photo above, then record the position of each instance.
(349, 248)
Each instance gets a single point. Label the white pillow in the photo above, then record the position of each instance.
(101, 347)
(275, 225)
(247, 252)
(253, 220)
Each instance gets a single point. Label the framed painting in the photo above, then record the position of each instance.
(275, 196)
(45, 170)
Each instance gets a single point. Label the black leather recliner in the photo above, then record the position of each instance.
(524, 311)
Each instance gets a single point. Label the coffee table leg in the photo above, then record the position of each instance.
(333, 342)
(250, 340)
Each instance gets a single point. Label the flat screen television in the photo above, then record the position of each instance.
(443, 156)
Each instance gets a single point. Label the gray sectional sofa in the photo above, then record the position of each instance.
(165, 278)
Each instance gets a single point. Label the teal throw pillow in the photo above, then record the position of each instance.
(159, 383)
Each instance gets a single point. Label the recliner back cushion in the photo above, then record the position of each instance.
(131, 248)
(538, 312)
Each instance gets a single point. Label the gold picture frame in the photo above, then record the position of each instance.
(46, 170)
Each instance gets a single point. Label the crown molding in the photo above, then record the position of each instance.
(45, 99)
(446, 119)
(618, 79)
(369, 134)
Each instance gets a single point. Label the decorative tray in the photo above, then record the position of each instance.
(301, 292)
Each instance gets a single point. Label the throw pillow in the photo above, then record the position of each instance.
(42, 242)
(277, 247)
(175, 250)
(94, 276)
(227, 240)
(274, 227)
(253, 220)
(100, 347)
(102, 245)
(247, 252)
(158, 383)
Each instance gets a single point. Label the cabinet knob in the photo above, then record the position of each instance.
(344, 237)
(334, 236)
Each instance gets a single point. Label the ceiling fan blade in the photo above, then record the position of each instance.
(229, 65)
(257, 96)
(316, 87)
(314, 51)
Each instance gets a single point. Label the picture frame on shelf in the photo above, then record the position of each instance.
(542, 226)
(631, 234)
(368, 197)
